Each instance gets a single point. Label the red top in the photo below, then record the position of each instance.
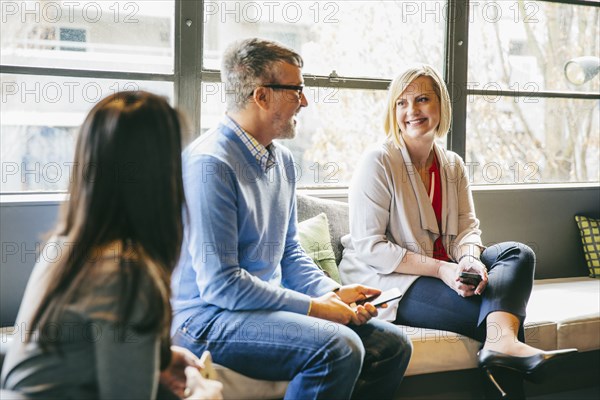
(435, 194)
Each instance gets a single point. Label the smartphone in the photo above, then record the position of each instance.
(470, 278)
(382, 298)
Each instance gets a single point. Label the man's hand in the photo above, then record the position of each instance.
(352, 293)
(336, 306)
(332, 308)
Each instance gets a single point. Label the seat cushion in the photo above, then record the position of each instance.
(541, 334)
(438, 351)
(573, 304)
(562, 313)
(238, 386)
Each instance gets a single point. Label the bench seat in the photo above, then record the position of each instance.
(562, 313)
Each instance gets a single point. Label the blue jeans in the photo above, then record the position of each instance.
(321, 359)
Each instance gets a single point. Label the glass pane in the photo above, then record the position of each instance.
(355, 38)
(532, 140)
(38, 124)
(524, 45)
(132, 36)
(333, 131)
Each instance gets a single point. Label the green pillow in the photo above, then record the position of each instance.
(315, 240)
(590, 237)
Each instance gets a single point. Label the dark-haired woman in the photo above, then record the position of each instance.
(95, 316)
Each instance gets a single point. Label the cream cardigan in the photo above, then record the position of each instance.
(391, 213)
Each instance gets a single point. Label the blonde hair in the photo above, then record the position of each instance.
(400, 84)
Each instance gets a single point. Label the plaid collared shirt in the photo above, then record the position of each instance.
(264, 155)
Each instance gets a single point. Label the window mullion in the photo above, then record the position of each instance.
(85, 73)
(188, 42)
(529, 95)
(457, 51)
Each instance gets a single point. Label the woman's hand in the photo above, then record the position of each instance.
(175, 376)
(449, 273)
(201, 388)
(472, 264)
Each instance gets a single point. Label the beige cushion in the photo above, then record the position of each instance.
(541, 334)
(583, 335)
(562, 313)
(238, 386)
(573, 304)
(437, 351)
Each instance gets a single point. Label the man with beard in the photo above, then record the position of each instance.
(244, 289)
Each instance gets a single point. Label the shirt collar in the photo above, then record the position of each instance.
(264, 155)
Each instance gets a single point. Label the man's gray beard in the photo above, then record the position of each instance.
(288, 133)
(285, 130)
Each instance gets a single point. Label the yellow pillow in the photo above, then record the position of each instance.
(590, 237)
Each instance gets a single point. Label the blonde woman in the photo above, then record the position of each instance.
(413, 226)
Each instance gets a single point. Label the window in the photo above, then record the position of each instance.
(40, 118)
(516, 119)
(526, 123)
(351, 50)
(115, 35)
(58, 60)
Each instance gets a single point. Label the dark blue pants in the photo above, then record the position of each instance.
(430, 303)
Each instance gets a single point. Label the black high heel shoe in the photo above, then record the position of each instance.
(530, 367)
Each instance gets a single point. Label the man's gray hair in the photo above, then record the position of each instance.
(249, 63)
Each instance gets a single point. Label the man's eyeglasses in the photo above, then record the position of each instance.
(297, 88)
